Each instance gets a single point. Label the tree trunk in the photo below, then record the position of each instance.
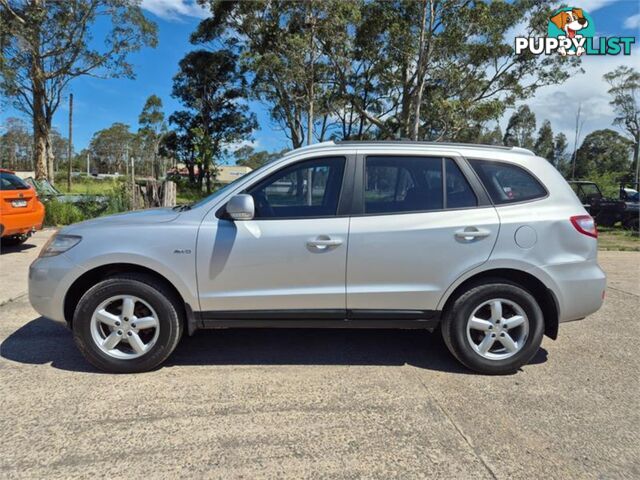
(40, 131)
(423, 55)
(40, 126)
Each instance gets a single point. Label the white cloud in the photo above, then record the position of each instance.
(559, 103)
(633, 21)
(593, 5)
(175, 9)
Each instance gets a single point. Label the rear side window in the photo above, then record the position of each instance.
(507, 183)
(8, 181)
(402, 184)
(415, 184)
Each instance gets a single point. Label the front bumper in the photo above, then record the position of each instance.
(49, 281)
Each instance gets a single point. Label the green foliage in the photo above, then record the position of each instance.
(560, 155)
(59, 213)
(109, 147)
(213, 88)
(603, 151)
(625, 99)
(609, 182)
(385, 69)
(520, 128)
(152, 128)
(115, 199)
(247, 156)
(45, 45)
(544, 146)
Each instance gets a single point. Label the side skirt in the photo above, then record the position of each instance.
(403, 319)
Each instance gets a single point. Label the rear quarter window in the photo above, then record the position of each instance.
(507, 183)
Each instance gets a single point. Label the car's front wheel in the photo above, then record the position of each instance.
(127, 324)
(494, 328)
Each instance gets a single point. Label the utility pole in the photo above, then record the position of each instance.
(575, 142)
(88, 171)
(70, 150)
(133, 180)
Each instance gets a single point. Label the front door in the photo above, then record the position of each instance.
(420, 229)
(291, 256)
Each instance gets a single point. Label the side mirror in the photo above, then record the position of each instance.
(241, 207)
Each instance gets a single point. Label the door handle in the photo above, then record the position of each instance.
(471, 233)
(323, 242)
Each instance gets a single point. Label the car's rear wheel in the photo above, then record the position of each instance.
(494, 328)
(127, 324)
(12, 240)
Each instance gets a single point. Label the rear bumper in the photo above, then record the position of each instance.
(19, 223)
(579, 288)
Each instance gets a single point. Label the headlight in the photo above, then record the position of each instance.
(59, 244)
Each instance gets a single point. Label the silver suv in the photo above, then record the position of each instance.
(489, 244)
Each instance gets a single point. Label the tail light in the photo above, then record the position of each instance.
(585, 225)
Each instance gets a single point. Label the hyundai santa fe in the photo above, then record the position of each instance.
(488, 245)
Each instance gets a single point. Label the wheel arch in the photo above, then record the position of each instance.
(89, 278)
(543, 295)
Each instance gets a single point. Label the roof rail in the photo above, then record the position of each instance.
(411, 142)
(434, 144)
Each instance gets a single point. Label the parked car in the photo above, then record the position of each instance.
(489, 243)
(606, 211)
(47, 192)
(21, 212)
(629, 196)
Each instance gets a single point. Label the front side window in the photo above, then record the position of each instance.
(507, 183)
(305, 189)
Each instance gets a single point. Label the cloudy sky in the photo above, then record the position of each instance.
(98, 103)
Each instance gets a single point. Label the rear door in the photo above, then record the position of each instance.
(423, 222)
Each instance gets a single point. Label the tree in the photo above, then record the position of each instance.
(625, 93)
(15, 145)
(603, 151)
(281, 47)
(544, 146)
(152, 128)
(110, 147)
(520, 128)
(45, 45)
(387, 69)
(212, 88)
(560, 154)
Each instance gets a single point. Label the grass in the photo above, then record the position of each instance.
(89, 187)
(618, 239)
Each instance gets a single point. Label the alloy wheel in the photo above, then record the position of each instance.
(125, 327)
(497, 329)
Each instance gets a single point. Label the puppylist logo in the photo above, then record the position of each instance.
(571, 33)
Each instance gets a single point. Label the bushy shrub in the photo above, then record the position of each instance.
(59, 213)
(609, 182)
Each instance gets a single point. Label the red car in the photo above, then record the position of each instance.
(21, 212)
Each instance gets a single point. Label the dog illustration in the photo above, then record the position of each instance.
(570, 22)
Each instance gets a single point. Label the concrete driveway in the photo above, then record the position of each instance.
(322, 404)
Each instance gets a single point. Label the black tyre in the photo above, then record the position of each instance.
(493, 328)
(127, 324)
